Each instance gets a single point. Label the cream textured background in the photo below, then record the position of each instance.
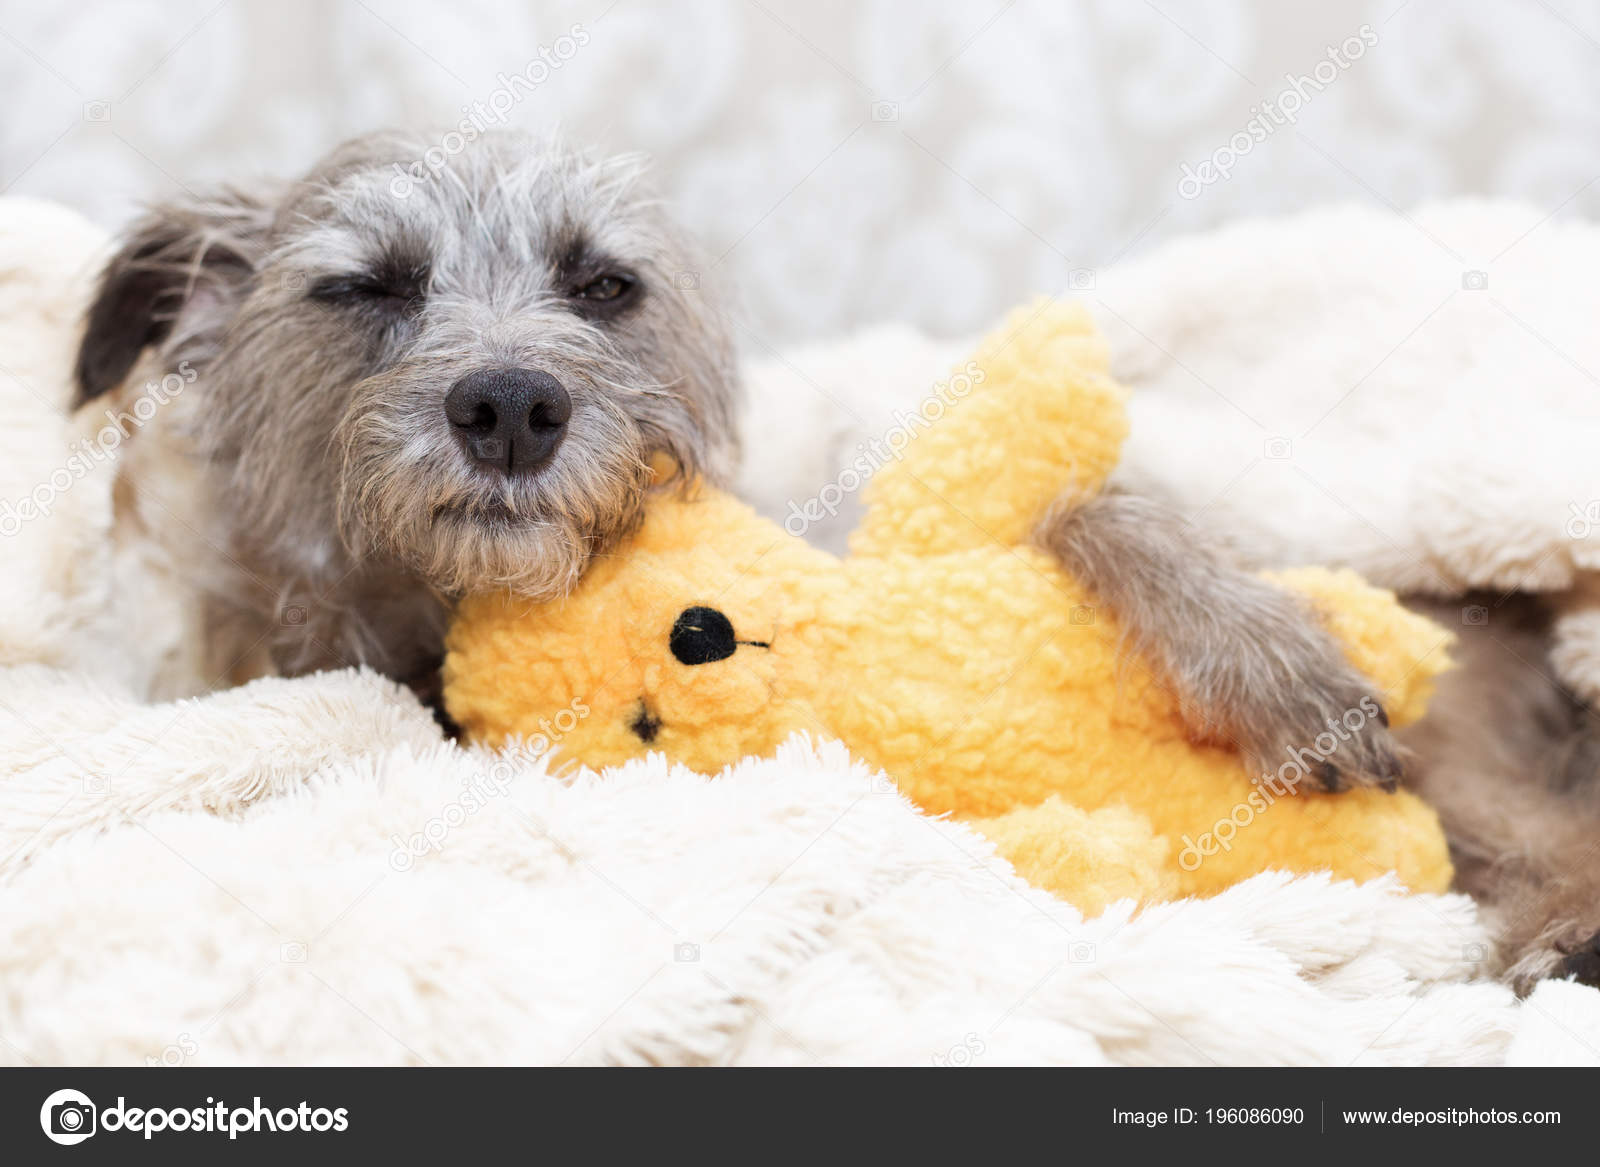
(1020, 141)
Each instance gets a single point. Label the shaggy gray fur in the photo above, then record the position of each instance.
(327, 318)
(1511, 760)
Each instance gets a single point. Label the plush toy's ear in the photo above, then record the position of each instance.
(193, 260)
(1033, 415)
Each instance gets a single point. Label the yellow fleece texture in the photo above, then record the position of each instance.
(948, 652)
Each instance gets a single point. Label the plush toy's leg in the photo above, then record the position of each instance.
(1250, 663)
(1091, 859)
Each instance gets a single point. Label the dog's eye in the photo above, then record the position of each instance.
(365, 290)
(609, 289)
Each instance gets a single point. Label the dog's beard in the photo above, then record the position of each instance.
(411, 497)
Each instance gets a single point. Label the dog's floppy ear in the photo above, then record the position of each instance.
(192, 260)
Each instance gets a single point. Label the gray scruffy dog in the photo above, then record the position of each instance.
(409, 385)
(409, 388)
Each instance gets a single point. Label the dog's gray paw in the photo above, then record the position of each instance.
(1327, 734)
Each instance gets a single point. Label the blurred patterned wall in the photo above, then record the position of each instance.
(847, 162)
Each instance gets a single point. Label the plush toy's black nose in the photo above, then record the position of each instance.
(508, 420)
(702, 635)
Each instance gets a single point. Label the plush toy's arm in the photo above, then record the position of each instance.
(1034, 414)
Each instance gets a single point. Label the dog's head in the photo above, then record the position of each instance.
(464, 360)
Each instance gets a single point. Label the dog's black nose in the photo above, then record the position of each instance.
(510, 420)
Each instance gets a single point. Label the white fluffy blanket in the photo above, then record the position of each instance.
(1416, 397)
(301, 871)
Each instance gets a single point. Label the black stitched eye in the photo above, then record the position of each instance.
(702, 635)
(606, 288)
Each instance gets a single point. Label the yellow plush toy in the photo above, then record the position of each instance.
(948, 652)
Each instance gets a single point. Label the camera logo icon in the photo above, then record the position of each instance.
(1474, 616)
(1584, 519)
(885, 111)
(402, 184)
(686, 281)
(1277, 449)
(68, 1117)
(1081, 616)
(686, 953)
(1081, 279)
(97, 111)
(1474, 281)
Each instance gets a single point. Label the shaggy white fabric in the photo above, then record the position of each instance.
(1559, 1026)
(1418, 398)
(301, 871)
(1413, 397)
(54, 584)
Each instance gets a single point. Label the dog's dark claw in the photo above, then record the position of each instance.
(1393, 768)
(1583, 961)
(1385, 771)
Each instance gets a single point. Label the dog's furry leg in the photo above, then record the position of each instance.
(1511, 759)
(1249, 662)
